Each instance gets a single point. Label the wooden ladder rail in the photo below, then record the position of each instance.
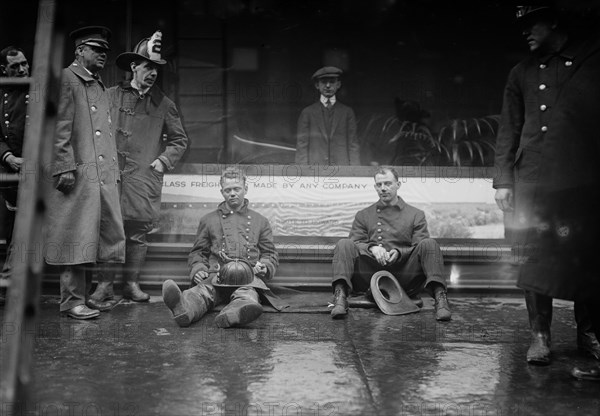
(22, 301)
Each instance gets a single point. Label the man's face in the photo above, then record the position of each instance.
(233, 190)
(538, 34)
(328, 86)
(387, 187)
(17, 66)
(144, 74)
(92, 58)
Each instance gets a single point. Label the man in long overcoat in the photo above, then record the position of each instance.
(150, 140)
(84, 222)
(547, 173)
(327, 128)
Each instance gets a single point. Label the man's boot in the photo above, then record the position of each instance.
(135, 256)
(539, 308)
(587, 342)
(190, 305)
(441, 305)
(340, 300)
(243, 308)
(104, 293)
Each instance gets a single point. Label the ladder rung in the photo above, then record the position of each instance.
(15, 81)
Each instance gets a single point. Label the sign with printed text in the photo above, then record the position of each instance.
(326, 206)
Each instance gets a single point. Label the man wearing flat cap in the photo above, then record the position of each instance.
(327, 128)
(84, 223)
(150, 141)
(548, 174)
(231, 259)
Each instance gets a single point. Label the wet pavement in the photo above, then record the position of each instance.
(136, 361)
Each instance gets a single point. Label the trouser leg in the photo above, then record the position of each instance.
(244, 307)
(74, 281)
(191, 304)
(422, 268)
(587, 340)
(345, 256)
(539, 309)
(105, 275)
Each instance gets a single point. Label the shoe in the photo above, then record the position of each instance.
(82, 312)
(132, 291)
(340, 302)
(441, 306)
(539, 349)
(173, 299)
(590, 374)
(588, 344)
(99, 305)
(239, 312)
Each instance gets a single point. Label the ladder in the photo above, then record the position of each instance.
(22, 301)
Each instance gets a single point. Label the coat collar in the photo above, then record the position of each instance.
(568, 52)
(400, 204)
(222, 208)
(84, 74)
(155, 94)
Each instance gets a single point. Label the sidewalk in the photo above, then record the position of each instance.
(136, 361)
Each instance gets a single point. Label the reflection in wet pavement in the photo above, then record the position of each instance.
(136, 361)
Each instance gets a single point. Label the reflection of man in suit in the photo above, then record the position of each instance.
(327, 129)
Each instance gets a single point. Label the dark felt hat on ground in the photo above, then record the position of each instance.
(389, 295)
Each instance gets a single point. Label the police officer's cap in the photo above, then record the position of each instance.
(531, 13)
(327, 72)
(97, 36)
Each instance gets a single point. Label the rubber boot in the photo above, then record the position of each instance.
(188, 306)
(539, 308)
(104, 291)
(587, 343)
(243, 308)
(135, 256)
(340, 301)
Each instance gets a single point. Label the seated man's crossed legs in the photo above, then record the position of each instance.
(421, 268)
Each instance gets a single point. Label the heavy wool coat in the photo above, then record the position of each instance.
(146, 129)
(318, 145)
(565, 262)
(84, 225)
(244, 234)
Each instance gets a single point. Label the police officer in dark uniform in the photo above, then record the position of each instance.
(13, 117)
(546, 151)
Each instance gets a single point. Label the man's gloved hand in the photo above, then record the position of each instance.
(66, 182)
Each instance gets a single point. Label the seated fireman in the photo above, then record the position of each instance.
(389, 235)
(231, 258)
